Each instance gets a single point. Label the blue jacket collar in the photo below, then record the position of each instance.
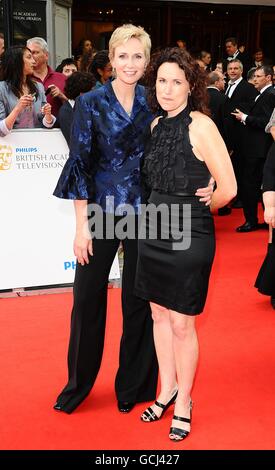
(139, 101)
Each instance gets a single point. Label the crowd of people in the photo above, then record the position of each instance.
(175, 144)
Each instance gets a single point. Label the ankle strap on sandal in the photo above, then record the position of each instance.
(160, 405)
(179, 418)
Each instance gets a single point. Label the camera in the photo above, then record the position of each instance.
(49, 89)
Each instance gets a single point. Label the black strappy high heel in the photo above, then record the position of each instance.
(149, 415)
(181, 433)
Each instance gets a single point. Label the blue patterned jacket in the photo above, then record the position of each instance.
(106, 149)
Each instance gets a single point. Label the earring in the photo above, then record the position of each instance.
(189, 93)
(114, 72)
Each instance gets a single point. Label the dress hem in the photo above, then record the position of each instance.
(166, 304)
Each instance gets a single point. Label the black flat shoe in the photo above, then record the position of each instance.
(125, 406)
(63, 408)
(57, 406)
(179, 432)
(247, 227)
(149, 415)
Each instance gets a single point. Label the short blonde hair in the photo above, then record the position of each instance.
(126, 32)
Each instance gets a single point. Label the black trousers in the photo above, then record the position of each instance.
(266, 276)
(136, 378)
(237, 160)
(251, 189)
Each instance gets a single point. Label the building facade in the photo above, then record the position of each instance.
(50, 19)
(203, 25)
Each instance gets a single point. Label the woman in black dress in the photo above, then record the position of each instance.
(185, 150)
(265, 281)
(107, 141)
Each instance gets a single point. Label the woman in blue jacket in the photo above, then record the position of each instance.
(107, 144)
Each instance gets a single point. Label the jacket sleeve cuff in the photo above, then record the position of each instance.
(4, 130)
(46, 124)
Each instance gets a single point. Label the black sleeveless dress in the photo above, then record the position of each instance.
(176, 257)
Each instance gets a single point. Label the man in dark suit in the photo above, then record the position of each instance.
(256, 144)
(259, 59)
(231, 47)
(215, 88)
(239, 94)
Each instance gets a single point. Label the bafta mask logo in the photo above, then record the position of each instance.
(5, 157)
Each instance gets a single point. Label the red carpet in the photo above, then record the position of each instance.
(235, 384)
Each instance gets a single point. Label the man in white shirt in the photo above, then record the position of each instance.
(239, 94)
(256, 144)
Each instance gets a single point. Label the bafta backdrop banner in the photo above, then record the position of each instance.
(37, 229)
(29, 20)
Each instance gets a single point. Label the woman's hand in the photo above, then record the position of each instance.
(269, 207)
(24, 102)
(82, 248)
(269, 216)
(46, 110)
(206, 193)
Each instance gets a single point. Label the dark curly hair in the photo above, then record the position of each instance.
(196, 77)
(78, 82)
(100, 60)
(67, 61)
